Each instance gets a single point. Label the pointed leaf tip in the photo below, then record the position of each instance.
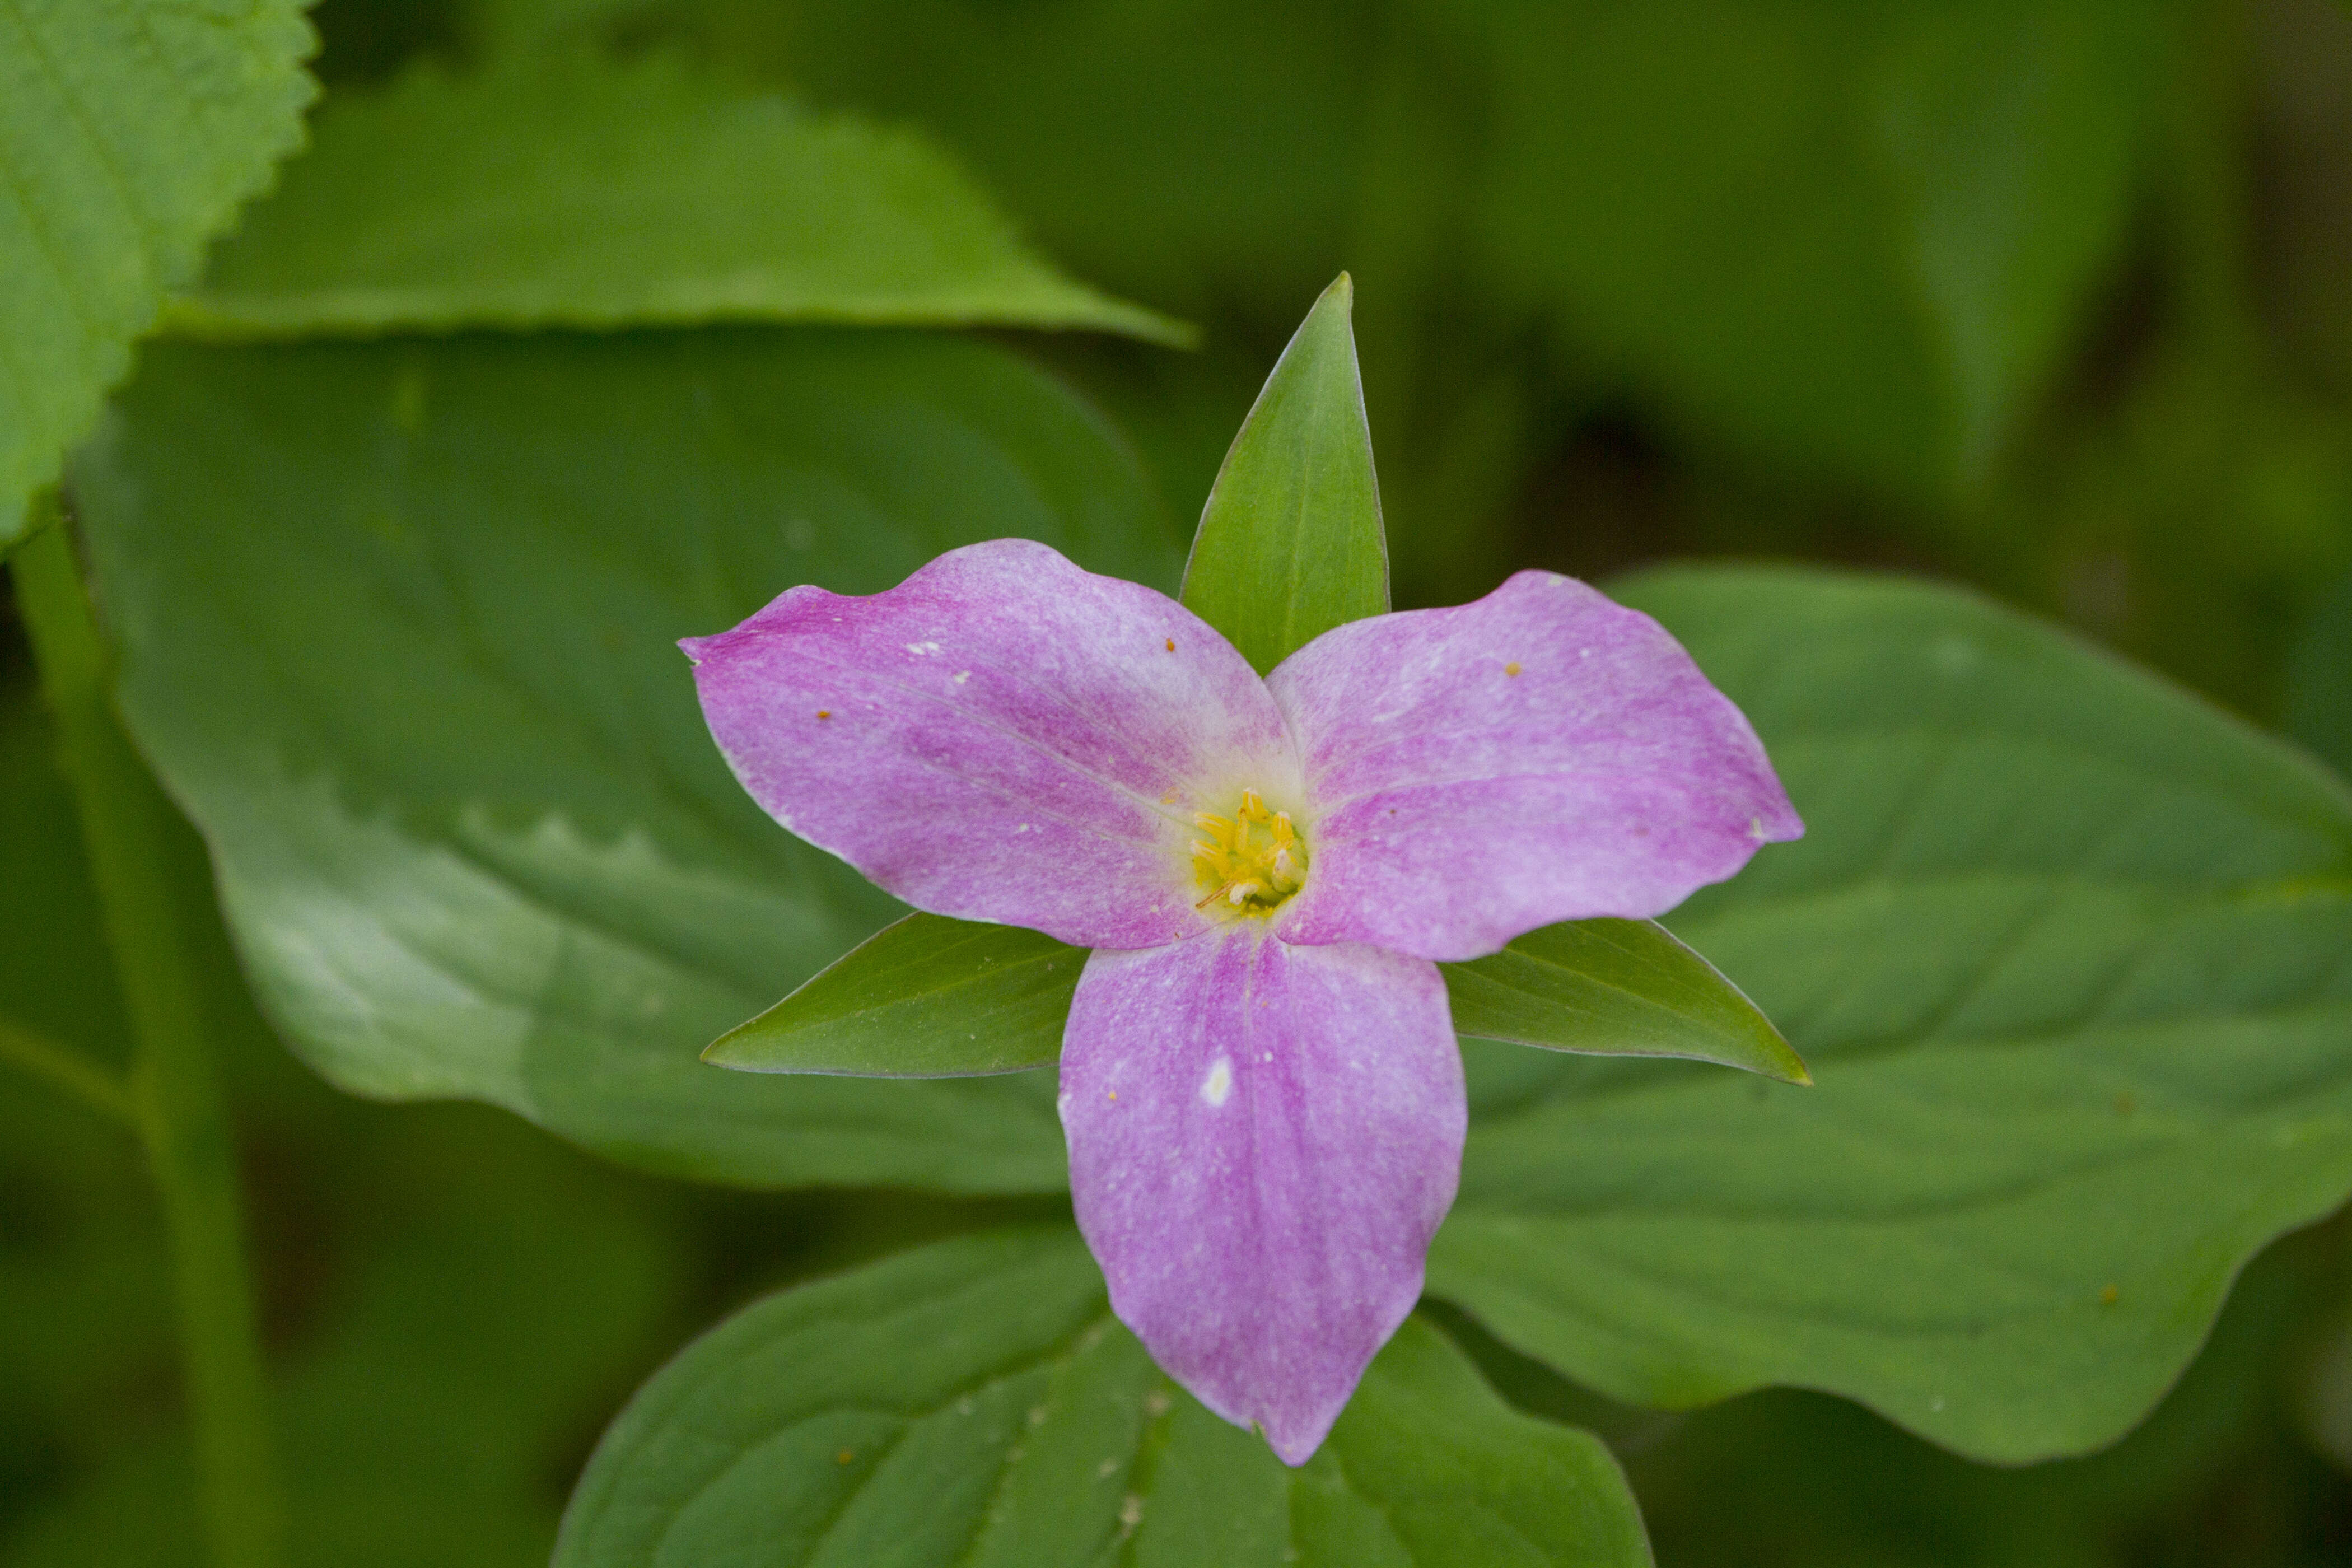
(1291, 541)
(1607, 987)
(928, 997)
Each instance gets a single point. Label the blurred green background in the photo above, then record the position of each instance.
(2051, 297)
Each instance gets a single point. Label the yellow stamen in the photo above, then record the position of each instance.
(1251, 861)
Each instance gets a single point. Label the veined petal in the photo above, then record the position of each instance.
(1263, 1139)
(1001, 737)
(1542, 755)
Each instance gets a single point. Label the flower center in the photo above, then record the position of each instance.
(1251, 861)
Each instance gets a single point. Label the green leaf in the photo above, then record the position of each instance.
(1828, 1497)
(1290, 543)
(583, 192)
(974, 1402)
(1615, 988)
(1857, 236)
(2066, 951)
(398, 628)
(928, 997)
(130, 131)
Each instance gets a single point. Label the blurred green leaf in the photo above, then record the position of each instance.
(927, 997)
(1202, 153)
(1615, 988)
(2066, 951)
(130, 131)
(397, 625)
(484, 1295)
(974, 1402)
(590, 193)
(2319, 681)
(1290, 543)
(1851, 236)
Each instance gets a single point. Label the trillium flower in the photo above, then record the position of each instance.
(1259, 1079)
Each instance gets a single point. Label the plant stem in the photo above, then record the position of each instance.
(179, 1108)
(65, 1071)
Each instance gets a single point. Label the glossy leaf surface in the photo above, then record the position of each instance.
(1615, 988)
(1290, 543)
(399, 630)
(927, 997)
(130, 131)
(2070, 956)
(593, 194)
(974, 1403)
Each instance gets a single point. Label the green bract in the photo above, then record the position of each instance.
(1291, 543)
(1616, 988)
(927, 997)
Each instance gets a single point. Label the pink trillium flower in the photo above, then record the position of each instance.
(1260, 1083)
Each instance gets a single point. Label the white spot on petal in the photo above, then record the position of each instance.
(1219, 1083)
(1756, 828)
(962, 676)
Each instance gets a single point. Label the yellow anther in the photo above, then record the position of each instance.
(1251, 861)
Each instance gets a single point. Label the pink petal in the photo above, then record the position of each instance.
(1263, 1139)
(1541, 755)
(1001, 737)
